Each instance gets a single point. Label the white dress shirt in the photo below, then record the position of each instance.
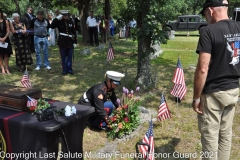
(91, 22)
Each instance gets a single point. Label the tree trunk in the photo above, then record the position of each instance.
(83, 10)
(107, 9)
(144, 48)
(17, 7)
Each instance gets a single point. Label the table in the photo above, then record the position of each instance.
(26, 136)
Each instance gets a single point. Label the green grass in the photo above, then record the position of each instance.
(179, 133)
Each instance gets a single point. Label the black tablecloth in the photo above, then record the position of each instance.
(23, 133)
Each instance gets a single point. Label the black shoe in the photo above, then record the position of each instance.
(70, 73)
(64, 74)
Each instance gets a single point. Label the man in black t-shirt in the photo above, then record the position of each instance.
(216, 80)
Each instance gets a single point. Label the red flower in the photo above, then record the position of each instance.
(32, 108)
(125, 106)
(126, 119)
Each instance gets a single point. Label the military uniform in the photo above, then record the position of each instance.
(98, 95)
(67, 39)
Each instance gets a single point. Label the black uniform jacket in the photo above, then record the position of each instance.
(65, 26)
(97, 95)
(26, 20)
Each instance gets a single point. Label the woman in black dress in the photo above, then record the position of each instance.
(22, 48)
(5, 45)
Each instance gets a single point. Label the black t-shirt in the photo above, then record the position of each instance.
(222, 41)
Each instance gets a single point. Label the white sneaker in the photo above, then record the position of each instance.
(37, 68)
(48, 67)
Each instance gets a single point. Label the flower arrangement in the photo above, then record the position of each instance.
(36, 105)
(125, 118)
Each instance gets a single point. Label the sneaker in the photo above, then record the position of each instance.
(37, 68)
(48, 67)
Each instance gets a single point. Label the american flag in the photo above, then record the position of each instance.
(110, 54)
(26, 80)
(179, 88)
(148, 139)
(163, 111)
(31, 102)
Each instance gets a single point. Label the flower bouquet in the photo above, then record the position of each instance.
(125, 118)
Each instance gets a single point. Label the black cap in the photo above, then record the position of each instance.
(213, 3)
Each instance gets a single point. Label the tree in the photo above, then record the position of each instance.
(148, 32)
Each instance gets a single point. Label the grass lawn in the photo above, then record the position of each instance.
(176, 135)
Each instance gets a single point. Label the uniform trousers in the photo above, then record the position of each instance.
(66, 57)
(93, 31)
(215, 124)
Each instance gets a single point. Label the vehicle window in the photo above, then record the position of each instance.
(183, 19)
(194, 19)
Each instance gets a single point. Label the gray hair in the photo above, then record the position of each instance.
(15, 15)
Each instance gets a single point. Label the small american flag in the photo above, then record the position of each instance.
(179, 88)
(163, 111)
(31, 102)
(148, 139)
(26, 80)
(110, 54)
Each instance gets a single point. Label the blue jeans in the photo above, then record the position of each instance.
(112, 31)
(41, 43)
(66, 57)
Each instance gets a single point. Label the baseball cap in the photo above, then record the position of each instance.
(214, 3)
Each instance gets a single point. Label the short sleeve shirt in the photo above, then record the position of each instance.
(91, 22)
(222, 41)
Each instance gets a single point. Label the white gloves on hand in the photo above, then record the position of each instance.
(74, 45)
(59, 17)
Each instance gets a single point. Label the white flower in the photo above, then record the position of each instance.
(74, 110)
(68, 111)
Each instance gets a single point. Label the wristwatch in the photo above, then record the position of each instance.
(196, 100)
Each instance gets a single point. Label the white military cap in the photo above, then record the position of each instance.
(115, 77)
(64, 11)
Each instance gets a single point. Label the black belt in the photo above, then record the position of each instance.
(40, 36)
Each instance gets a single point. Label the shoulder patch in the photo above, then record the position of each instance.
(100, 96)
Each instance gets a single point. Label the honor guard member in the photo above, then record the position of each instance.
(97, 97)
(67, 40)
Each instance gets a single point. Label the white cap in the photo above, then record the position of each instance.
(115, 76)
(64, 11)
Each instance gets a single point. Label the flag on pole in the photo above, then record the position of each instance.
(179, 89)
(26, 80)
(31, 102)
(148, 139)
(163, 111)
(110, 54)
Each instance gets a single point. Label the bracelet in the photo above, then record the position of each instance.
(196, 100)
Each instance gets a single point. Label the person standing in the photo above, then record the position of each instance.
(111, 22)
(22, 49)
(40, 26)
(56, 30)
(216, 80)
(5, 48)
(26, 19)
(92, 25)
(97, 96)
(67, 40)
(51, 38)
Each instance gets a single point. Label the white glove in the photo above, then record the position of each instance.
(59, 17)
(74, 45)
